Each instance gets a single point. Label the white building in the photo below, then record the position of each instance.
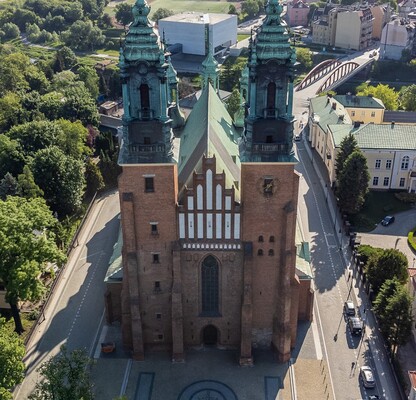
(396, 36)
(197, 32)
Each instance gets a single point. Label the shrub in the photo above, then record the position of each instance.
(406, 197)
(411, 238)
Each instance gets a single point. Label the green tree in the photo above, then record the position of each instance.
(8, 186)
(89, 76)
(11, 30)
(408, 97)
(104, 22)
(385, 93)
(390, 264)
(11, 157)
(27, 247)
(304, 56)
(250, 7)
(35, 135)
(73, 138)
(64, 377)
(366, 252)
(161, 13)
(93, 177)
(393, 307)
(21, 17)
(233, 102)
(353, 183)
(83, 35)
(54, 23)
(61, 178)
(347, 146)
(12, 367)
(26, 186)
(232, 9)
(123, 14)
(11, 111)
(65, 59)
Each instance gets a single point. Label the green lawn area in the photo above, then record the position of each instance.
(377, 206)
(178, 6)
(242, 37)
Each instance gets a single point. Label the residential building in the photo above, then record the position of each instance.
(324, 25)
(390, 149)
(381, 15)
(354, 29)
(191, 31)
(297, 13)
(397, 35)
(209, 252)
(363, 109)
(405, 7)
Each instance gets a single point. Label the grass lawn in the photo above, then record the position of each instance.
(242, 37)
(178, 6)
(377, 206)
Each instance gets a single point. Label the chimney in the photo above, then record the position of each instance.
(356, 124)
(392, 124)
(334, 106)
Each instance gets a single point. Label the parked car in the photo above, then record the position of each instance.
(367, 376)
(387, 220)
(356, 325)
(349, 308)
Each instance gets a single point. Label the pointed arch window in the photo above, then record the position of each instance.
(210, 292)
(271, 95)
(144, 96)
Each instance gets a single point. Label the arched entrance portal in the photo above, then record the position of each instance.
(210, 335)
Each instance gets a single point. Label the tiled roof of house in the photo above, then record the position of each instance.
(359, 101)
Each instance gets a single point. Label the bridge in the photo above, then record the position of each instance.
(332, 73)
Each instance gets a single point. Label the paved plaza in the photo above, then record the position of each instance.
(211, 374)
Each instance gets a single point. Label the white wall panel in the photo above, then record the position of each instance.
(209, 189)
(181, 226)
(200, 226)
(218, 197)
(236, 226)
(218, 226)
(227, 226)
(199, 197)
(209, 226)
(191, 226)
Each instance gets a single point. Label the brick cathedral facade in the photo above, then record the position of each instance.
(208, 214)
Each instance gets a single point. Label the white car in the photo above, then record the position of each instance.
(367, 376)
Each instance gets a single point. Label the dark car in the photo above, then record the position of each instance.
(389, 219)
(356, 325)
(349, 308)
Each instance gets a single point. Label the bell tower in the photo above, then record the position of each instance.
(144, 70)
(269, 85)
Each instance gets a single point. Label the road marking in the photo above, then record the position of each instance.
(315, 335)
(96, 335)
(102, 338)
(126, 377)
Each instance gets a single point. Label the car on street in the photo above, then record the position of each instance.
(356, 325)
(349, 308)
(387, 220)
(367, 375)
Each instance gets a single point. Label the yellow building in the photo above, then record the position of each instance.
(390, 149)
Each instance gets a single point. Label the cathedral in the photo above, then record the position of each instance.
(211, 252)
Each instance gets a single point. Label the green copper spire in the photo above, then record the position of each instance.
(210, 71)
(142, 42)
(272, 39)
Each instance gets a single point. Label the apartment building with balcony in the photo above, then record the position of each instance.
(354, 29)
(297, 13)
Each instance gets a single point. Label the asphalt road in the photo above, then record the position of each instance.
(75, 311)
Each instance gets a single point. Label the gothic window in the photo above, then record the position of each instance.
(259, 252)
(260, 238)
(271, 95)
(271, 239)
(144, 96)
(271, 252)
(210, 285)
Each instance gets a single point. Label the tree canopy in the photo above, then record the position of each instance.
(161, 13)
(388, 264)
(385, 93)
(408, 97)
(393, 307)
(123, 13)
(64, 377)
(83, 35)
(353, 183)
(27, 246)
(12, 367)
(304, 57)
(61, 177)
